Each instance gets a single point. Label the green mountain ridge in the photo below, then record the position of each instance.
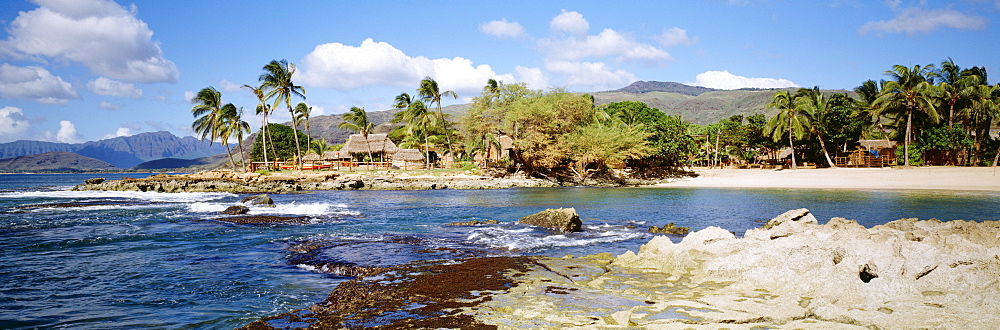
(57, 161)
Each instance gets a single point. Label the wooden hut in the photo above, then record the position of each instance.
(378, 144)
(870, 153)
(406, 158)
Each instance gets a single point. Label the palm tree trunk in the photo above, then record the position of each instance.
(263, 135)
(825, 153)
(791, 145)
(906, 139)
(243, 155)
(369, 145)
(427, 148)
(231, 161)
(295, 136)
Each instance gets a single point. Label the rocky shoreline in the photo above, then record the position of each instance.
(234, 182)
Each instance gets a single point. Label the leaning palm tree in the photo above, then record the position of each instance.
(227, 127)
(302, 113)
(813, 103)
(357, 120)
(418, 117)
(263, 109)
(234, 124)
(789, 119)
(277, 81)
(431, 93)
(206, 110)
(909, 91)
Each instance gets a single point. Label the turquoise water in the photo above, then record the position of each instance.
(124, 260)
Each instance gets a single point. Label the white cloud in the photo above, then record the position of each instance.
(533, 77)
(100, 34)
(725, 80)
(675, 36)
(14, 125)
(591, 75)
(229, 86)
(109, 87)
(67, 133)
(34, 83)
(502, 29)
(912, 21)
(122, 131)
(189, 95)
(571, 22)
(608, 44)
(344, 67)
(108, 106)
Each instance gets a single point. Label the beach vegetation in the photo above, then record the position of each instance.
(357, 120)
(277, 84)
(216, 121)
(282, 143)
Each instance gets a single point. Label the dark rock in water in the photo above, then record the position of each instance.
(94, 180)
(474, 223)
(236, 210)
(260, 219)
(564, 220)
(669, 229)
(262, 200)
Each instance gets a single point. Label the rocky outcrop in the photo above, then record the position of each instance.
(562, 220)
(236, 210)
(669, 229)
(234, 182)
(259, 200)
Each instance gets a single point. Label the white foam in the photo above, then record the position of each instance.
(149, 196)
(306, 209)
(526, 239)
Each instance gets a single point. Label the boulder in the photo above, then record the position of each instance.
(669, 229)
(236, 210)
(474, 223)
(94, 181)
(799, 215)
(262, 200)
(562, 219)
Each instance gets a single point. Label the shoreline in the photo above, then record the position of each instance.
(914, 178)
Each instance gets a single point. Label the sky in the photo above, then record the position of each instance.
(84, 70)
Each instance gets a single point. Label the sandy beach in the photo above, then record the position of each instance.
(939, 178)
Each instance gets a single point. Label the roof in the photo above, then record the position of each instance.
(376, 143)
(410, 155)
(877, 144)
(310, 157)
(506, 142)
(335, 155)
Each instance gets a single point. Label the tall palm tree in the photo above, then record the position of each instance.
(789, 119)
(234, 124)
(228, 126)
(357, 120)
(985, 108)
(277, 81)
(263, 109)
(430, 92)
(813, 103)
(302, 113)
(206, 110)
(909, 91)
(418, 117)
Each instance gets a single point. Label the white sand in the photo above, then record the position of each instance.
(942, 178)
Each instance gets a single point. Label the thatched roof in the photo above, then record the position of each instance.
(877, 144)
(335, 155)
(310, 158)
(379, 143)
(409, 155)
(506, 142)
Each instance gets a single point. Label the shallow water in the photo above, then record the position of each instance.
(130, 259)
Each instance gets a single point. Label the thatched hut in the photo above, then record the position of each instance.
(378, 144)
(336, 156)
(405, 158)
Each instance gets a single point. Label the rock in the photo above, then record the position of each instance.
(236, 210)
(801, 215)
(669, 229)
(262, 200)
(261, 219)
(563, 219)
(474, 223)
(94, 181)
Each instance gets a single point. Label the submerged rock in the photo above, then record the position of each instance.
(474, 223)
(261, 200)
(262, 219)
(563, 219)
(669, 229)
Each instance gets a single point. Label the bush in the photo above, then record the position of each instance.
(263, 172)
(468, 166)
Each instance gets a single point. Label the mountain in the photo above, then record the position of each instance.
(193, 165)
(325, 127)
(58, 161)
(123, 151)
(640, 87)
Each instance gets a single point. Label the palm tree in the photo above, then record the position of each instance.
(430, 93)
(909, 91)
(985, 108)
(319, 146)
(417, 116)
(207, 110)
(789, 119)
(263, 109)
(234, 124)
(277, 81)
(227, 126)
(813, 103)
(357, 120)
(302, 113)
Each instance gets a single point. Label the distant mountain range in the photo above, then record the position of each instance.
(57, 161)
(122, 152)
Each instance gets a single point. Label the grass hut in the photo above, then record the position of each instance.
(311, 162)
(378, 145)
(408, 157)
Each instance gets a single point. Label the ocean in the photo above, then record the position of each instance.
(98, 260)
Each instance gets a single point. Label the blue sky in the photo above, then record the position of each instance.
(81, 70)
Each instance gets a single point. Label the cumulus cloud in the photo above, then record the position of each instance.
(189, 95)
(109, 87)
(912, 21)
(344, 67)
(725, 80)
(571, 22)
(593, 75)
(502, 29)
(533, 77)
(675, 36)
(14, 125)
(34, 83)
(108, 106)
(608, 44)
(67, 133)
(122, 131)
(100, 34)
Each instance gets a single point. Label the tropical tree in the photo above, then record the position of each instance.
(789, 119)
(283, 142)
(302, 113)
(815, 105)
(357, 120)
(320, 146)
(210, 118)
(418, 118)
(262, 109)
(984, 109)
(231, 124)
(277, 82)
(430, 92)
(910, 91)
